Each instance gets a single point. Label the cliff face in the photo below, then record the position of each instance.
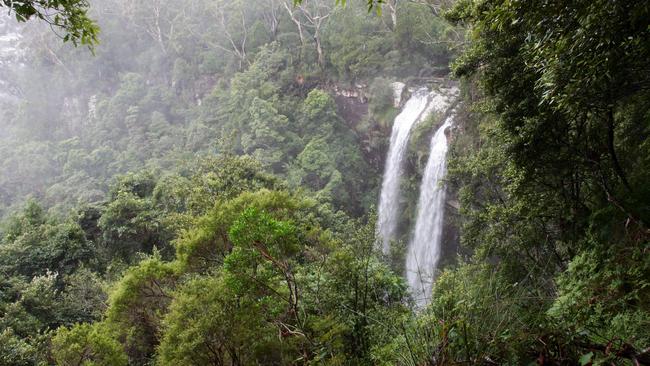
(352, 105)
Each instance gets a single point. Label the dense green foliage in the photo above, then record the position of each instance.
(201, 191)
(192, 187)
(552, 170)
(172, 81)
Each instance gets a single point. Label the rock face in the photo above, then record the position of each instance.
(351, 108)
(352, 102)
(359, 92)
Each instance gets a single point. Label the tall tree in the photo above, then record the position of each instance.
(312, 16)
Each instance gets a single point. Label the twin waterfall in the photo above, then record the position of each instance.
(424, 246)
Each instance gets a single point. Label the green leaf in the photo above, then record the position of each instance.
(586, 358)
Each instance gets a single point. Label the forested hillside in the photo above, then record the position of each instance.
(196, 182)
(173, 81)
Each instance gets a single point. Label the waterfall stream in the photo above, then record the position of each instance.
(425, 244)
(388, 213)
(424, 249)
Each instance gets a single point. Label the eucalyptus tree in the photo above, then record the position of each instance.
(310, 17)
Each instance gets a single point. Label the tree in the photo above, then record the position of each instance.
(562, 88)
(35, 243)
(230, 24)
(564, 113)
(210, 323)
(137, 304)
(87, 344)
(372, 4)
(130, 225)
(71, 16)
(551, 180)
(16, 351)
(312, 15)
(226, 177)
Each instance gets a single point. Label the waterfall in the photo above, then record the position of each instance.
(388, 213)
(424, 249)
(421, 104)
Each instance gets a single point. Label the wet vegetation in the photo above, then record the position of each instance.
(199, 187)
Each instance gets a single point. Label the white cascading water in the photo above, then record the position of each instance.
(424, 249)
(388, 213)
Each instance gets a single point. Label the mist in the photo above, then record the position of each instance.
(153, 94)
(321, 182)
